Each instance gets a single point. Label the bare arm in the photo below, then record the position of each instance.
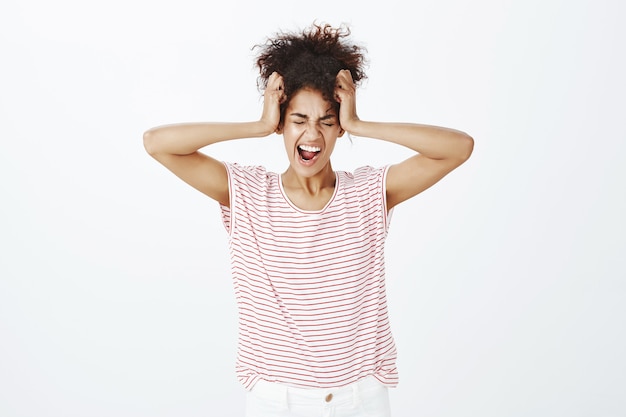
(177, 146)
(438, 150)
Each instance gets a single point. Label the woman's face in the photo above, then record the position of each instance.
(310, 130)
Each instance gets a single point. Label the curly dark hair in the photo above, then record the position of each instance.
(310, 58)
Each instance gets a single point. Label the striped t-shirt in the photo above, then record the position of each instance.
(310, 285)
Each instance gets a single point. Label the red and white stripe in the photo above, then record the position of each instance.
(310, 285)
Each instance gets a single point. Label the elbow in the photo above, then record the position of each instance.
(149, 139)
(466, 147)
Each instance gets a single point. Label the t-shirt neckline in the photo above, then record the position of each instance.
(295, 207)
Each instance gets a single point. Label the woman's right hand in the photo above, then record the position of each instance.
(273, 97)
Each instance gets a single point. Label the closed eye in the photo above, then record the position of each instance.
(327, 120)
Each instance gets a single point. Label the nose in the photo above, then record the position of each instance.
(312, 130)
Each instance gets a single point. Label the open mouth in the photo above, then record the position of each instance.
(308, 153)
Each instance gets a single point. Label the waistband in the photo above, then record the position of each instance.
(286, 394)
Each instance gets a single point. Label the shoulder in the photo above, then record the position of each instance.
(364, 183)
(248, 173)
(250, 170)
(365, 174)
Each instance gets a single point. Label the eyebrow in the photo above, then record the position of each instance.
(304, 116)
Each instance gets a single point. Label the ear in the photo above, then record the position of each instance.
(279, 129)
(341, 132)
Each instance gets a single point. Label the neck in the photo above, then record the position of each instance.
(314, 185)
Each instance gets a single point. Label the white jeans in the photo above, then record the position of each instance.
(365, 398)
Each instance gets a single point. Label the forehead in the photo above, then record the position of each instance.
(310, 103)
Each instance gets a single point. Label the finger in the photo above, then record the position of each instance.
(344, 74)
(344, 79)
(347, 75)
(275, 81)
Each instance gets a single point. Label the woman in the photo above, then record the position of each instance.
(307, 245)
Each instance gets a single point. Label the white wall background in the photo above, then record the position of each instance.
(506, 280)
